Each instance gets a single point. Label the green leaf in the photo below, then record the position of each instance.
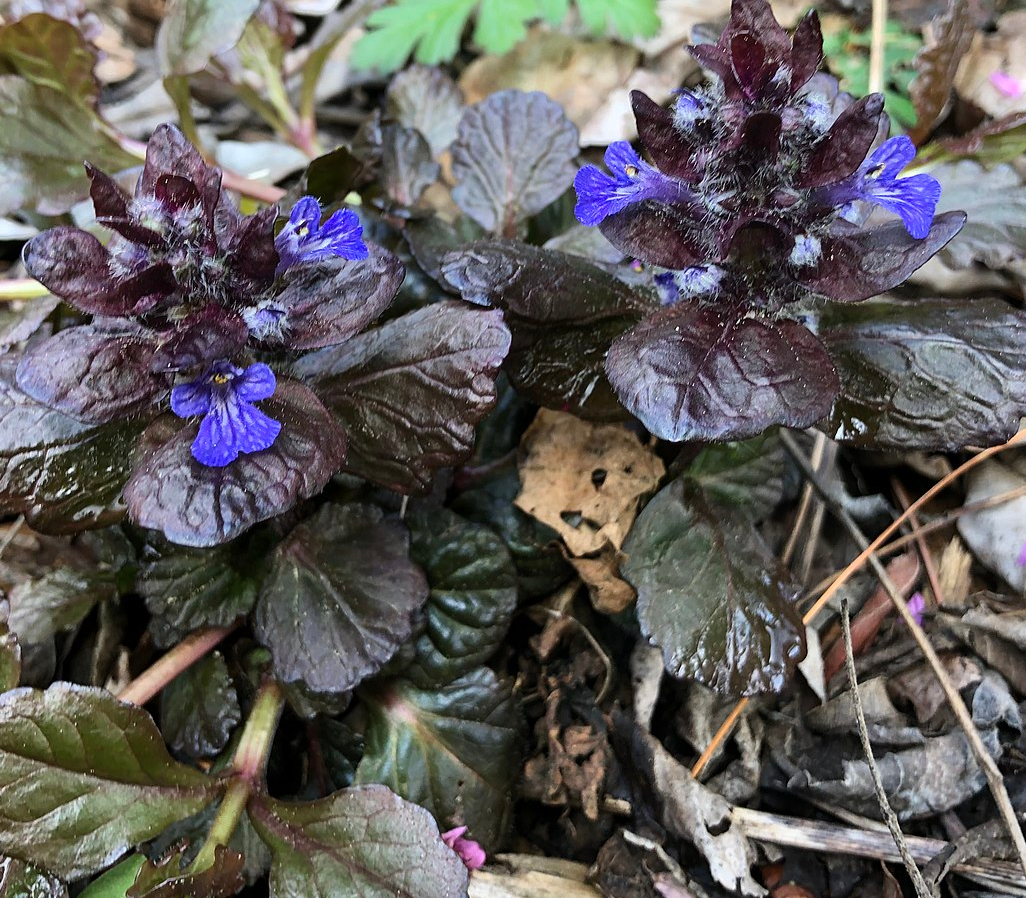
(115, 882)
(748, 476)
(533, 545)
(340, 598)
(473, 594)
(172, 877)
(365, 841)
(59, 600)
(186, 589)
(711, 595)
(64, 475)
(628, 18)
(21, 880)
(452, 749)
(49, 123)
(935, 374)
(515, 153)
(10, 654)
(199, 708)
(432, 29)
(84, 777)
(192, 31)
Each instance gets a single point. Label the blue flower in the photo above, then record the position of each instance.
(305, 239)
(231, 424)
(600, 195)
(913, 198)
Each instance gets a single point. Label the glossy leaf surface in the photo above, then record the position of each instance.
(340, 598)
(363, 841)
(452, 750)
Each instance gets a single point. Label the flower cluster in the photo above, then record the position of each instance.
(757, 202)
(188, 298)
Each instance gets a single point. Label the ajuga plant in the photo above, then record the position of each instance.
(209, 382)
(762, 203)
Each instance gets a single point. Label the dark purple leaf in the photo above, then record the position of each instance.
(340, 598)
(250, 245)
(452, 749)
(696, 372)
(936, 375)
(64, 475)
(407, 169)
(667, 236)
(186, 589)
(75, 266)
(427, 99)
(169, 154)
(563, 312)
(806, 50)
(858, 263)
(844, 147)
(94, 374)
(936, 66)
(172, 876)
(196, 505)
(671, 151)
(514, 155)
(411, 391)
(111, 205)
(473, 594)
(213, 332)
(759, 141)
(734, 628)
(364, 841)
(199, 708)
(326, 303)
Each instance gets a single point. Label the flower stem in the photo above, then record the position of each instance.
(21, 288)
(248, 766)
(180, 658)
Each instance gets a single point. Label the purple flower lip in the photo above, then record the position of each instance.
(913, 198)
(631, 180)
(231, 424)
(304, 239)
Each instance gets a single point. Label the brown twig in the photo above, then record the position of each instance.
(924, 549)
(854, 567)
(890, 818)
(180, 658)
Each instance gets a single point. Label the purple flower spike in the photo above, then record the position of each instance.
(914, 198)
(231, 424)
(305, 239)
(632, 181)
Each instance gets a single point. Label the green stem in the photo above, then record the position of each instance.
(178, 89)
(248, 766)
(21, 288)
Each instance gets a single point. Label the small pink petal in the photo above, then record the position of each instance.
(1021, 560)
(472, 854)
(916, 604)
(1006, 85)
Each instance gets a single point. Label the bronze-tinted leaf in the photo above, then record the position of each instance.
(707, 372)
(711, 595)
(933, 374)
(196, 505)
(411, 391)
(937, 65)
(514, 155)
(340, 598)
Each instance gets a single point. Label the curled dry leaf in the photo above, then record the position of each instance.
(584, 480)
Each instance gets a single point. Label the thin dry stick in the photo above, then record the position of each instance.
(833, 838)
(805, 503)
(990, 770)
(181, 657)
(854, 567)
(890, 818)
(924, 549)
(878, 41)
(11, 533)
